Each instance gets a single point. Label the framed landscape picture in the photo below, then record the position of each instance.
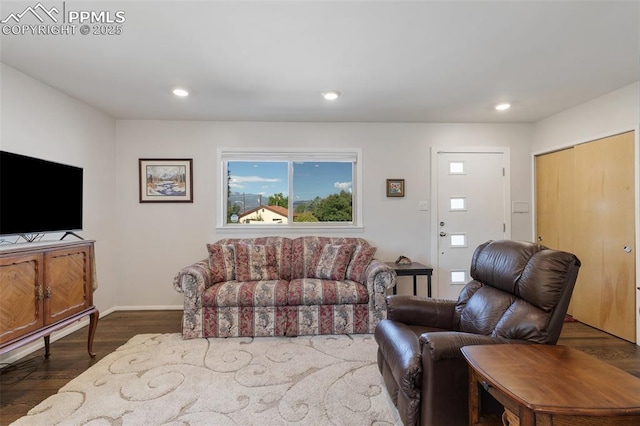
(395, 187)
(166, 180)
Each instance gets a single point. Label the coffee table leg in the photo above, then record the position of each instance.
(527, 417)
(474, 398)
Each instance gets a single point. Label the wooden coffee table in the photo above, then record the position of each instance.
(551, 385)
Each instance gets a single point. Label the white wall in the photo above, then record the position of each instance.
(156, 240)
(612, 113)
(40, 121)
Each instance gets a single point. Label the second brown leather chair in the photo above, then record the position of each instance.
(519, 293)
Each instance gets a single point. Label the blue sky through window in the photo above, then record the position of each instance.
(320, 179)
(310, 179)
(265, 178)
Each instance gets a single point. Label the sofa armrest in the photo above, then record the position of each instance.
(417, 310)
(378, 277)
(194, 279)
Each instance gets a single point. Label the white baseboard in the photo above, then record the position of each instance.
(23, 351)
(150, 308)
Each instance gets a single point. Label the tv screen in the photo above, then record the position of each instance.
(38, 196)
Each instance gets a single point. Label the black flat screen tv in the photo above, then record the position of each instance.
(38, 196)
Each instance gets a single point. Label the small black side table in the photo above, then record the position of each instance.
(413, 269)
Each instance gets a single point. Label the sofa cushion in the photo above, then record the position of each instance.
(303, 250)
(330, 261)
(362, 256)
(222, 262)
(316, 291)
(256, 262)
(283, 250)
(246, 294)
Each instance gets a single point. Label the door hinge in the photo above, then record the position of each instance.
(503, 172)
(504, 227)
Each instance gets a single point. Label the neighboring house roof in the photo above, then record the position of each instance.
(282, 211)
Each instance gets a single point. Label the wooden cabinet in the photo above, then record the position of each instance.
(43, 288)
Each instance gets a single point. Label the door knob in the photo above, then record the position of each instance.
(627, 249)
(443, 234)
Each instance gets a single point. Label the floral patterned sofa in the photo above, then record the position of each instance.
(276, 286)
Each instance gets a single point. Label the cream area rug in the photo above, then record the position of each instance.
(161, 379)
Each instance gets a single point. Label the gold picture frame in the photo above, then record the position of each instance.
(166, 180)
(395, 187)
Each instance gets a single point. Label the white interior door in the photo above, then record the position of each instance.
(472, 199)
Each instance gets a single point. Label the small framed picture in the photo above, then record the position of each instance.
(395, 187)
(166, 180)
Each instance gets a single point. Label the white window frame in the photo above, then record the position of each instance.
(253, 154)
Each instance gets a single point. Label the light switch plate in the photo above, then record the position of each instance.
(520, 207)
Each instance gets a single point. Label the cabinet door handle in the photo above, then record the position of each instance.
(40, 293)
(47, 293)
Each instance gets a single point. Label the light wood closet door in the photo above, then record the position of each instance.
(554, 199)
(604, 296)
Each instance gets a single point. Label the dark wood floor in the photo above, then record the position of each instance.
(23, 388)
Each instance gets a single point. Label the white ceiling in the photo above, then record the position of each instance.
(393, 61)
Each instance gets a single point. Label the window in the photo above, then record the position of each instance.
(458, 204)
(301, 188)
(456, 168)
(458, 240)
(458, 277)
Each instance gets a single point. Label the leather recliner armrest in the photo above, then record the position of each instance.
(447, 344)
(415, 310)
(400, 349)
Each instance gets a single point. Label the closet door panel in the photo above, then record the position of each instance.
(554, 199)
(604, 296)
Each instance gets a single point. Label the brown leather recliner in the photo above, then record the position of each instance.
(519, 293)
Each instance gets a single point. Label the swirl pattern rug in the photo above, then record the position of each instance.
(161, 379)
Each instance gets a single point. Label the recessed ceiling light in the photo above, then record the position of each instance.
(503, 107)
(331, 96)
(180, 92)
